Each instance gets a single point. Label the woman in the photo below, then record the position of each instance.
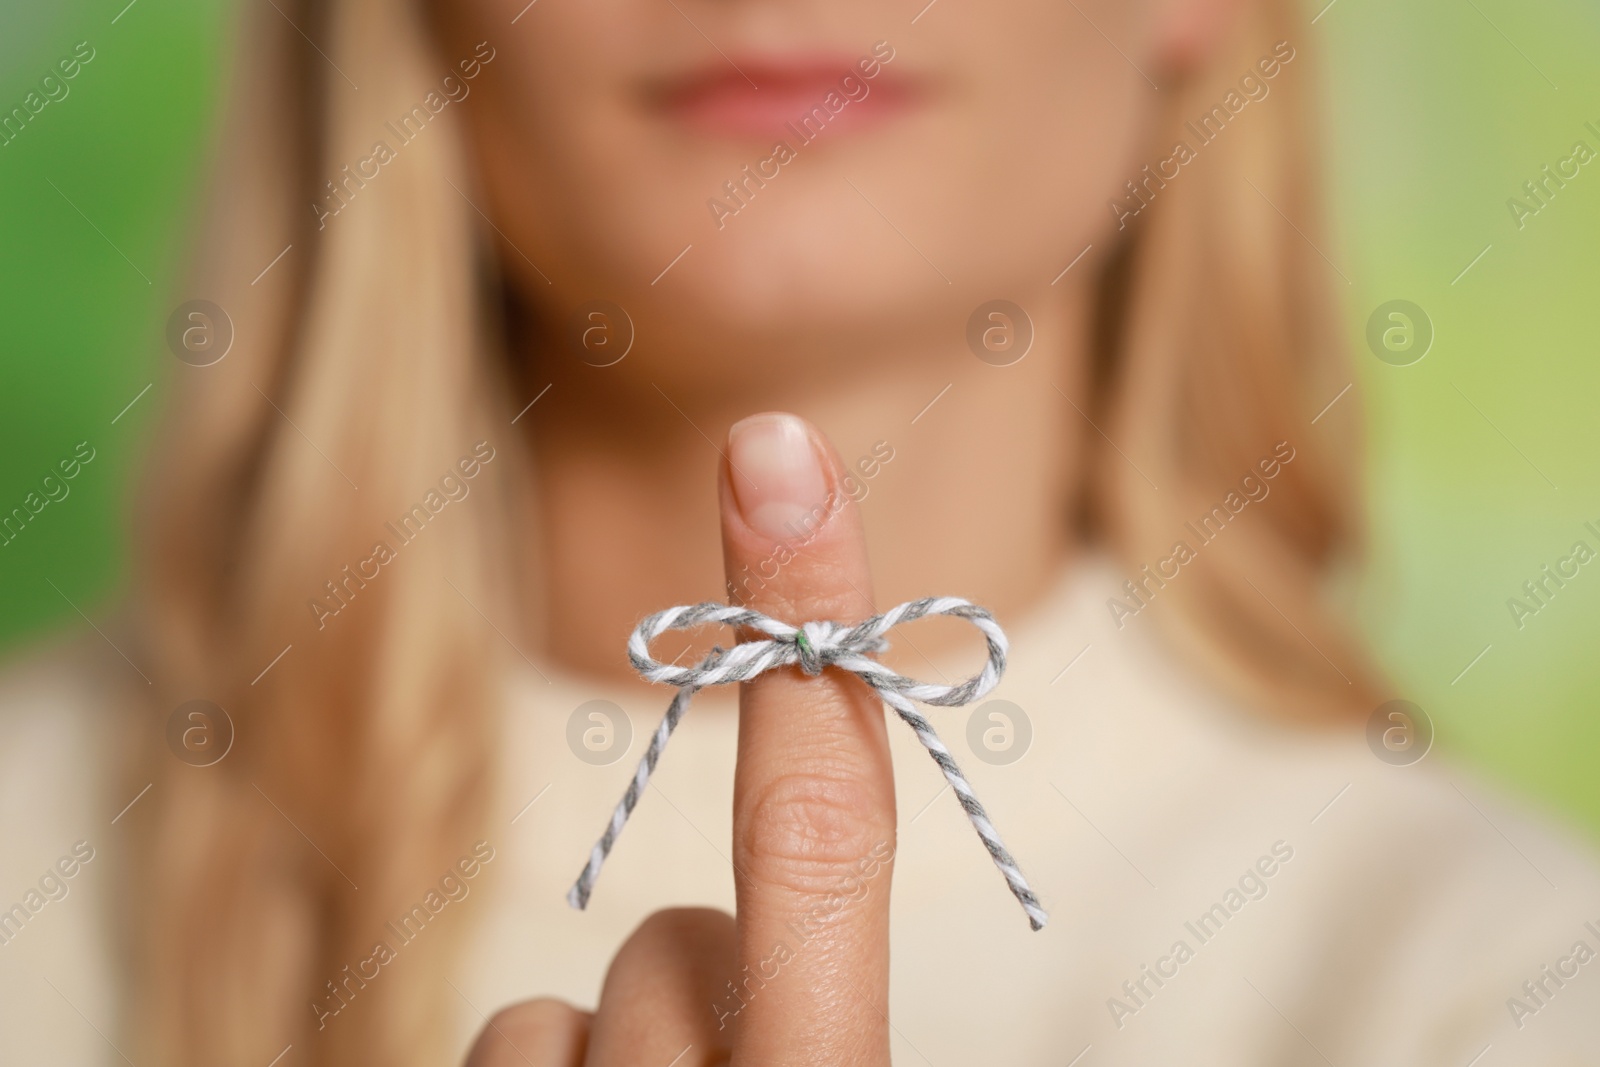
(548, 277)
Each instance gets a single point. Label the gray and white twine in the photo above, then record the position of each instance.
(813, 646)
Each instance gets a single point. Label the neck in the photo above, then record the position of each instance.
(968, 494)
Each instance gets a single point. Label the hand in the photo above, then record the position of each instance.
(813, 826)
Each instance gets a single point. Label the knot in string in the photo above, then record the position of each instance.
(822, 643)
(813, 646)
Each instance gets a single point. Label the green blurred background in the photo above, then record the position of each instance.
(1481, 458)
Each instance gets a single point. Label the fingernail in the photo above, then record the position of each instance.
(777, 475)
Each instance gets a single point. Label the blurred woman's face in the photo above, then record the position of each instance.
(773, 174)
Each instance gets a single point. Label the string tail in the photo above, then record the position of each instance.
(578, 895)
(813, 647)
(1037, 916)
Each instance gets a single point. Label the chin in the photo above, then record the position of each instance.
(802, 280)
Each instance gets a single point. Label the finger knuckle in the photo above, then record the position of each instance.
(672, 926)
(533, 1021)
(672, 931)
(805, 832)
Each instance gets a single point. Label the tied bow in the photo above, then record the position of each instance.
(813, 646)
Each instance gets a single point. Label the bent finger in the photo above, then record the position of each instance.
(535, 1033)
(661, 999)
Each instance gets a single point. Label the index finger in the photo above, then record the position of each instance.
(814, 807)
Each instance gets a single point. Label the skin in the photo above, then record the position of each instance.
(848, 306)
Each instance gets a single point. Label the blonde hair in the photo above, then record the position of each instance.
(1219, 340)
(365, 363)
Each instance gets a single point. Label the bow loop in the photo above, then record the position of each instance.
(814, 646)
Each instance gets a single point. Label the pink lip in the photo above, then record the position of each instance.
(763, 97)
